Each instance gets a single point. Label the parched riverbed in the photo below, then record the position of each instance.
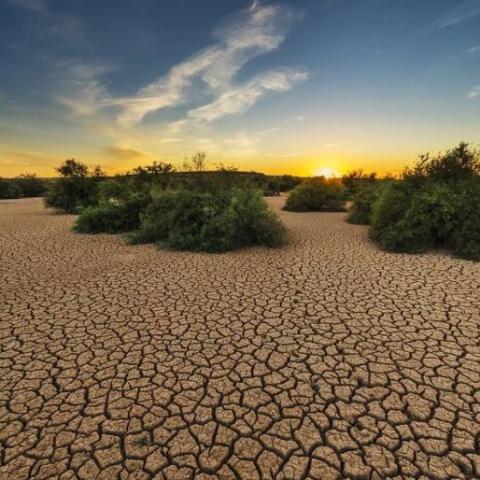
(325, 359)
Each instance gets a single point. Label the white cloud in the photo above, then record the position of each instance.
(474, 93)
(85, 92)
(255, 31)
(462, 12)
(240, 98)
(474, 49)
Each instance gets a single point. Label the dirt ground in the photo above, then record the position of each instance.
(326, 359)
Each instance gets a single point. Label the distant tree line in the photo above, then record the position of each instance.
(25, 185)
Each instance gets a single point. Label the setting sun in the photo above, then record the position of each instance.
(326, 172)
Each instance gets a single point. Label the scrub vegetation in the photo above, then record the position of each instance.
(433, 205)
(194, 210)
(317, 195)
(23, 186)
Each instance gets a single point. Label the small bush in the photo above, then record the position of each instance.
(9, 189)
(30, 185)
(414, 220)
(204, 221)
(112, 217)
(317, 195)
(76, 189)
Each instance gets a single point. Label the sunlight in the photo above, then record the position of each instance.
(326, 172)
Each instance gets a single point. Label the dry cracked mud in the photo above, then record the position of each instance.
(326, 359)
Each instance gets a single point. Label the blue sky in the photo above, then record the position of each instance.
(292, 86)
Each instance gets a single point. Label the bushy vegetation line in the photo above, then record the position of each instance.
(317, 195)
(25, 185)
(433, 205)
(196, 210)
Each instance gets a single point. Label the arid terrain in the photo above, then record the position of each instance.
(326, 359)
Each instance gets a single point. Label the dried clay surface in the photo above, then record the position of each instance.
(326, 359)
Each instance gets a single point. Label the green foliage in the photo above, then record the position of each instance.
(112, 217)
(317, 195)
(30, 185)
(9, 189)
(357, 180)
(363, 200)
(460, 163)
(466, 237)
(25, 185)
(204, 221)
(413, 220)
(435, 205)
(77, 187)
(72, 168)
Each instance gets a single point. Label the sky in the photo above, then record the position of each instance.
(292, 86)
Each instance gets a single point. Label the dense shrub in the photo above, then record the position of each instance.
(357, 180)
(317, 195)
(25, 185)
(9, 189)
(212, 222)
(112, 217)
(466, 238)
(363, 200)
(460, 163)
(77, 187)
(413, 220)
(30, 185)
(435, 205)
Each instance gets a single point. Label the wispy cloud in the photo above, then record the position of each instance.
(474, 93)
(252, 32)
(240, 98)
(84, 89)
(460, 13)
(474, 49)
(31, 5)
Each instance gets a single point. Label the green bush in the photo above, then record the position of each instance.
(457, 164)
(435, 205)
(317, 195)
(204, 221)
(9, 189)
(30, 185)
(76, 189)
(357, 180)
(466, 237)
(414, 219)
(363, 200)
(112, 217)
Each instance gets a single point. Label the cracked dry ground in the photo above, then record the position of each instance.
(326, 359)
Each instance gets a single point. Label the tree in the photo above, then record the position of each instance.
(72, 168)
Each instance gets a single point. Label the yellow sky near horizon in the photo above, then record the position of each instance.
(14, 163)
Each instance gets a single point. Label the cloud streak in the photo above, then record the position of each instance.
(466, 10)
(239, 99)
(85, 90)
(474, 93)
(256, 31)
